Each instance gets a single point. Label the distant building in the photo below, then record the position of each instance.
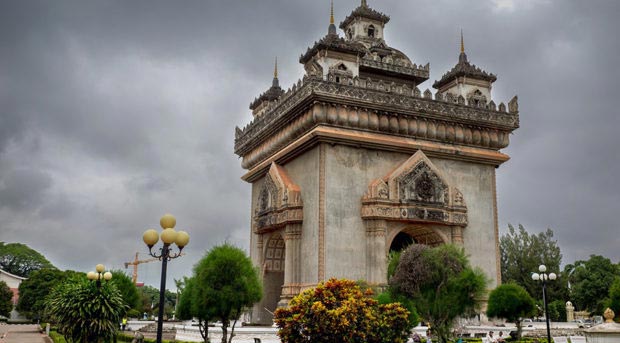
(354, 161)
(13, 282)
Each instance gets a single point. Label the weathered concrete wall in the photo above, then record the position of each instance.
(349, 170)
(476, 182)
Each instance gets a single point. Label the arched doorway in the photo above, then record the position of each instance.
(401, 242)
(273, 271)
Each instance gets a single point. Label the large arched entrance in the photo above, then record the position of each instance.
(273, 271)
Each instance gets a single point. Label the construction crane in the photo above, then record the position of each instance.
(135, 263)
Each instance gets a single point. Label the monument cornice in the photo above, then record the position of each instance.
(394, 103)
(371, 140)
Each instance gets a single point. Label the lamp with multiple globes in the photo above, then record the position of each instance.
(168, 237)
(99, 275)
(543, 277)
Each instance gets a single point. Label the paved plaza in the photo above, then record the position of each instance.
(21, 333)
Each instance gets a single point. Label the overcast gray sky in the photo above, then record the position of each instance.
(113, 113)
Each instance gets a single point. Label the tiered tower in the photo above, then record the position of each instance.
(355, 160)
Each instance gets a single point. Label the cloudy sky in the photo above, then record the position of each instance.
(113, 113)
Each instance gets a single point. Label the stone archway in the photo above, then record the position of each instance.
(414, 200)
(273, 271)
(278, 217)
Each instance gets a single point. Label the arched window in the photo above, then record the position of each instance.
(342, 67)
(371, 31)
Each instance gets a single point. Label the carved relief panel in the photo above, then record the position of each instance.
(415, 192)
(279, 201)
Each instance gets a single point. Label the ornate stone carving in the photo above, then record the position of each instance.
(274, 255)
(279, 114)
(279, 201)
(422, 185)
(415, 192)
(513, 105)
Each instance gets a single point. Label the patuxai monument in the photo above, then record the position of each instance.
(360, 158)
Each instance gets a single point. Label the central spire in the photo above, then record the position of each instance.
(364, 4)
(332, 27)
(275, 82)
(462, 56)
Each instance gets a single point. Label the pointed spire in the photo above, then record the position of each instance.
(275, 82)
(332, 27)
(462, 56)
(364, 4)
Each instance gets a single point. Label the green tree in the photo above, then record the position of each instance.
(192, 306)
(228, 283)
(511, 302)
(614, 297)
(149, 301)
(6, 299)
(522, 253)
(34, 290)
(590, 281)
(84, 312)
(557, 311)
(128, 289)
(338, 311)
(19, 259)
(441, 284)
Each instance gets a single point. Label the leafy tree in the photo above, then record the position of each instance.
(511, 302)
(84, 312)
(522, 253)
(149, 301)
(557, 311)
(192, 306)
(6, 299)
(128, 289)
(614, 297)
(393, 259)
(228, 283)
(338, 311)
(590, 281)
(441, 284)
(34, 290)
(19, 259)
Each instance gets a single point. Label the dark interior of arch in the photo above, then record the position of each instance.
(401, 241)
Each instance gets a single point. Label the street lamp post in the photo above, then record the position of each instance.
(168, 236)
(99, 275)
(543, 277)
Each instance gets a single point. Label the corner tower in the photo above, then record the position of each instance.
(355, 160)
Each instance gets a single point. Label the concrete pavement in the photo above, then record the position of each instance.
(22, 333)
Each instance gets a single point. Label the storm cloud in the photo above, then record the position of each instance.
(113, 113)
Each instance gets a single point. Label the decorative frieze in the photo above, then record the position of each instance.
(279, 202)
(402, 114)
(415, 192)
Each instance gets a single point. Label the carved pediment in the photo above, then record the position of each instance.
(279, 200)
(415, 191)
